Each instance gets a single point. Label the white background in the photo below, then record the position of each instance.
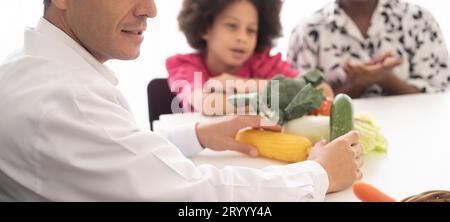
(163, 39)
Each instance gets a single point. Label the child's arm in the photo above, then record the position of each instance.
(214, 104)
(212, 98)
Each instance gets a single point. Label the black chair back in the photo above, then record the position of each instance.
(159, 99)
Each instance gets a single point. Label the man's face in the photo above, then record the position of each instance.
(110, 29)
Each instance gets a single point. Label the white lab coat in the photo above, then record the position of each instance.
(66, 134)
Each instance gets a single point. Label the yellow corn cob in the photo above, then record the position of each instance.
(279, 146)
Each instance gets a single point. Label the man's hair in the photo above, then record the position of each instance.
(197, 16)
(47, 3)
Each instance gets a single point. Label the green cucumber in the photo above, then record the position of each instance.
(341, 118)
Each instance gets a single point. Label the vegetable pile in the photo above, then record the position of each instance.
(317, 128)
(294, 97)
(306, 115)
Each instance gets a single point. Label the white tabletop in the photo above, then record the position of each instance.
(416, 126)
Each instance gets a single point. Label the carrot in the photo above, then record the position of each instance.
(367, 193)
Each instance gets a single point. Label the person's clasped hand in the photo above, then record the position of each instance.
(373, 72)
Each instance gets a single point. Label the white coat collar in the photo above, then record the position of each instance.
(50, 31)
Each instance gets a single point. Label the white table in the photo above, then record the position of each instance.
(418, 131)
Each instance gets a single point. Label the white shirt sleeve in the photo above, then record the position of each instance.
(90, 149)
(185, 138)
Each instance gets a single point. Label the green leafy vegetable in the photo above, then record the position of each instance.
(296, 97)
(371, 138)
(308, 99)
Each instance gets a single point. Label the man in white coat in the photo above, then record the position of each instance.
(66, 133)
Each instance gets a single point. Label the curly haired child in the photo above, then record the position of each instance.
(233, 39)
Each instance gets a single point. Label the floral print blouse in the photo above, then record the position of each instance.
(330, 36)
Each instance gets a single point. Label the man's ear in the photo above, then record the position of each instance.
(60, 4)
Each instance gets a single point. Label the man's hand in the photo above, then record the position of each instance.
(221, 135)
(373, 72)
(340, 159)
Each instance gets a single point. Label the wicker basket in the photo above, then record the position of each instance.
(430, 196)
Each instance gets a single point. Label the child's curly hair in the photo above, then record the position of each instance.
(197, 16)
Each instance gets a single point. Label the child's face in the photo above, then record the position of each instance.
(232, 39)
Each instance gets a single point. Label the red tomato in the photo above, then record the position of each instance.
(324, 109)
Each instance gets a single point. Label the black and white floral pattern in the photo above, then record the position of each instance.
(330, 36)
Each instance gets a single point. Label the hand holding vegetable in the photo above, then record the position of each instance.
(342, 171)
(221, 135)
(341, 121)
(340, 159)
